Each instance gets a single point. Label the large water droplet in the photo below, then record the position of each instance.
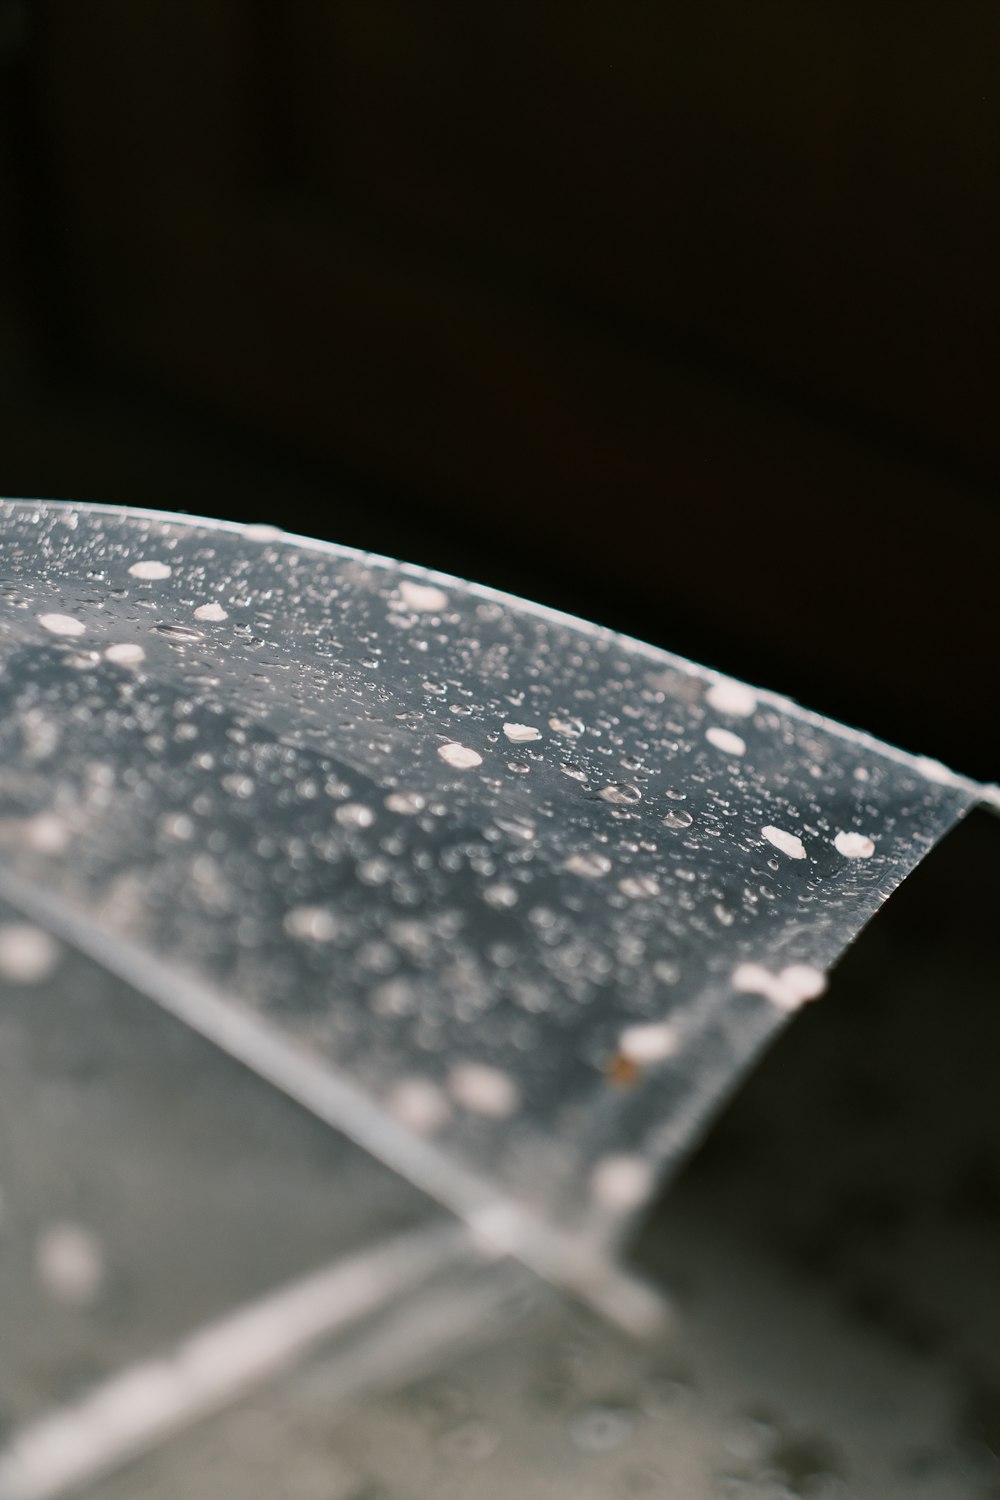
(571, 728)
(460, 757)
(621, 794)
(180, 632)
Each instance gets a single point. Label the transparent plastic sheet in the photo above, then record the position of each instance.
(509, 901)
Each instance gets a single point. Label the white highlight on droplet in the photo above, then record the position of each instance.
(47, 833)
(521, 734)
(407, 803)
(638, 886)
(419, 1105)
(788, 843)
(314, 923)
(69, 1263)
(802, 982)
(854, 845)
(496, 1229)
(460, 757)
(733, 698)
(125, 653)
(502, 895)
(591, 866)
(483, 1090)
(61, 624)
(150, 571)
(648, 1043)
(725, 740)
(212, 611)
(423, 597)
(621, 1183)
(789, 989)
(354, 815)
(27, 954)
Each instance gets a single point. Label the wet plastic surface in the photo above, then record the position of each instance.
(508, 900)
(464, 851)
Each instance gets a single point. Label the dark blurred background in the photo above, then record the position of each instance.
(684, 318)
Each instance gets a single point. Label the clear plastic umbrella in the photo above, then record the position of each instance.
(508, 901)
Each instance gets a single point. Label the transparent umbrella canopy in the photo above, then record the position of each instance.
(355, 917)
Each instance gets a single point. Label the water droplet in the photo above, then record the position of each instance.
(424, 598)
(407, 803)
(676, 795)
(854, 845)
(27, 954)
(354, 815)
(725, 740)
(47, 833)
(397, 997)
(676, 818)
(483, 1090)
(620, 1182)
(150, 570)
(125, 653)
(61, 624)
(312, 922)
(589, 865)
(180, 632)
(788, 843)
(648, 1043)
(621, 794)
(460, 757)
(637, 886)
(733, 698)
(500, 895)
(419, 1105)
(802, 982)
(521, 734)
(572, 728)
(793, 987)
(177, 826)
(69, 1263)
(239, 785)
